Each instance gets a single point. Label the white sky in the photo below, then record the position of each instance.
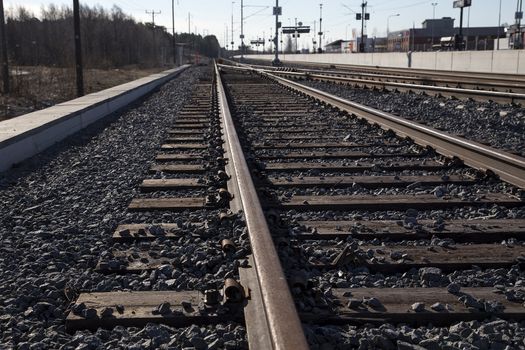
(213, 16)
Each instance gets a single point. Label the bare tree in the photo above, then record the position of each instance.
(110, 38)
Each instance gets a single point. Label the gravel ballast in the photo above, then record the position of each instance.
(300, 255)
(498, 125)
(58, 212)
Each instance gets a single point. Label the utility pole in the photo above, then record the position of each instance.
(153, 13)
(242, 30)
(78, 49)
(5, 63)
(174, 44)
(277, 11)
(320, 49)
(362, 43)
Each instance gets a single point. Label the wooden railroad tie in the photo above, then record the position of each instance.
(475, 231)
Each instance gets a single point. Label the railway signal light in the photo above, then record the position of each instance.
(359, 16)
(363, 16)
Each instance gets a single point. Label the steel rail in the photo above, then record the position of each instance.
(479, 95)
(475, 81)
(445, 80)
(280, 313)
(507, 166)
(258, 332)
(487, 77)
(494, 77)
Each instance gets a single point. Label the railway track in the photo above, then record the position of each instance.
(314, 214)
(463, 86)
(464, 80)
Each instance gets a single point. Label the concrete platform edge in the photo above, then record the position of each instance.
(30, 134)
(498, 62)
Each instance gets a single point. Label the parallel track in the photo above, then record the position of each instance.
(461, 87)
(467, 80)
(308, 174)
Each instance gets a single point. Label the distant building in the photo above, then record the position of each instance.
(438, 34)
(380, 44)
(350, 46)
(334, 47)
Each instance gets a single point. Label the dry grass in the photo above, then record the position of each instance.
(34, 88)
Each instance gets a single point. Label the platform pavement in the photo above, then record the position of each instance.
(29, 134)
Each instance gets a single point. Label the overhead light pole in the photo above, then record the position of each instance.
(388, 28)
(233, 42)
(242, 30)
(434, 4)
(388, 23)
(499, 22)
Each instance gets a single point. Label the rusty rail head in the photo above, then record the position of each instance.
(280, 313)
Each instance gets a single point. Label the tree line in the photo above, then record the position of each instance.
(110, 39)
